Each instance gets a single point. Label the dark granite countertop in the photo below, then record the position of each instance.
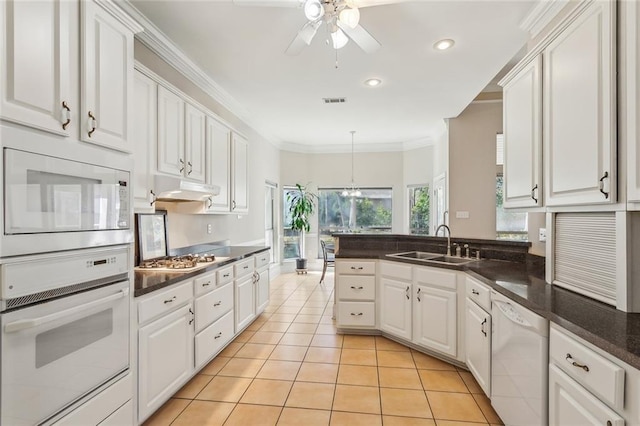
(613, 331)
(149, 281)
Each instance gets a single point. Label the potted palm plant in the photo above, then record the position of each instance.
(302, 204)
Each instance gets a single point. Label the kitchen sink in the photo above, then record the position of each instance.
(432, 258)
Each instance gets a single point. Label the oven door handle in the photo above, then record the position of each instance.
(35, 322)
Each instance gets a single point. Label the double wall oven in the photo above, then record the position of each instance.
(65, 270)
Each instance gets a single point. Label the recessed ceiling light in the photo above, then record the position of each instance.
(444, 44)
(373, 82)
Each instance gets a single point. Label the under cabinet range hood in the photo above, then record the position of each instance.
(169, 188)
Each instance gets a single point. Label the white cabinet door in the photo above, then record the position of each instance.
(630, 16)
(219, 158)
(240, 170)
(106, 79)
(478, 344)
(571, 405)
(166, 358)
(395, 307)
(36, 64)
(435, 319)
(195, 125)
(171, 158)
(523, 137)
(579, 110)
(262, 290)
(245, 307)
(144, 140)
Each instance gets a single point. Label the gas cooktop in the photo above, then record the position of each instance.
(185, 263)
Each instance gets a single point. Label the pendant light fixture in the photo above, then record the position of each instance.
(352, 191)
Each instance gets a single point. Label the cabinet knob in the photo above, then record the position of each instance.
(93, 123)
(66, 114)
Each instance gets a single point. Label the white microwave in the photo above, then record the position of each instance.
(61, 200)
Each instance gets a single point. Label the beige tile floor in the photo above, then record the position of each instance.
(291, 368)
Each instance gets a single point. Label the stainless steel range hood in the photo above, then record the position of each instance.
(169, 188)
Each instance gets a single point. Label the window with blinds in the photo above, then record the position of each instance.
(585, 254)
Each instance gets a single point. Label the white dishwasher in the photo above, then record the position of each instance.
(520, 367)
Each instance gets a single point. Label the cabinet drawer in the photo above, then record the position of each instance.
(396, 270)
(357, 267)
(224, 275)
(262, 259)
(244, 267)
(479, 293)
(165, 301)
(356, 287)
(213, 338)
(205, 283)
(603, 378)
(212, 306)
(436, 277)
(359, 314)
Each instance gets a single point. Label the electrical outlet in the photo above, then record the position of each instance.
(542, 234)
(209, 228)
(462, 215)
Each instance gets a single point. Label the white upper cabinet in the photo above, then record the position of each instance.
(107, 79)
(171, 158)
(144, 140)
(579, 104)
(240, 169)
(631, 94)
(523, 136)
(37, 64)
(195, 125)
(219, 148)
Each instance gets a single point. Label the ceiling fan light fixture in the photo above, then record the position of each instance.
(313, 9)
(373, 82)
(350, 17)
(444, 44)
(339, 39)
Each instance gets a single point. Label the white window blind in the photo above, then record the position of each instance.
(499, 149)
(585, 254)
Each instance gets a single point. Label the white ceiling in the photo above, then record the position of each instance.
(242, 49)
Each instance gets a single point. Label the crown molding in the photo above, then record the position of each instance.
(360, 147)
(167, 50)
(117, 12)
(541, 15)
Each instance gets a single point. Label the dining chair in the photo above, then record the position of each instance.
(328, 256)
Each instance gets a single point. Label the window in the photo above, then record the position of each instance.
(419, 201)
(290, 237)
(371, 212)
(510, 225)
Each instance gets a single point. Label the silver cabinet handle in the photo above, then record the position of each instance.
(67, 114)
(356, 315)
(93, 123)
(190, 168)
(605, 176)
(218, 303)
(533, 192)
(219, 335)
(170, 300)
(569, 358)
(181, 165)
(476, 292)
(418, 295)
(484, 321)
(406, 292)
(357, 288)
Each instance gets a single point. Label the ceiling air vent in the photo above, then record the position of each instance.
(334, 100)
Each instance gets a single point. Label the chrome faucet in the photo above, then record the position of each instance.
(448, 237)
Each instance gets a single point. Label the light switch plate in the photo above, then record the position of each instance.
(462, 215)
(542, 234)
(209, 228)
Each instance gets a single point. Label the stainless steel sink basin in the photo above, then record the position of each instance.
(432, 258)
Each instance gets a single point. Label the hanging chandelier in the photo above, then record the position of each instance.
(353, 190)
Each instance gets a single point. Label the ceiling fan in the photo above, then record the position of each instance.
(341, 18)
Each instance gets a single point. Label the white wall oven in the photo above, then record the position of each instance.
(65, 330)
(61, 196)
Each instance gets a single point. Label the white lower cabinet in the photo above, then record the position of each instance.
(478, 344)
(355, 284)
(262, 281)
(395, 299)
(165, 358)
(213, 338)
(245, 305)
(571, 405)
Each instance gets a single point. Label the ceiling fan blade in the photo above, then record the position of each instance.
(361, 37)
(269, 3)
(369, 3)
(303, 38)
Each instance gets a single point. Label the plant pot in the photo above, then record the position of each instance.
(301, 263)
